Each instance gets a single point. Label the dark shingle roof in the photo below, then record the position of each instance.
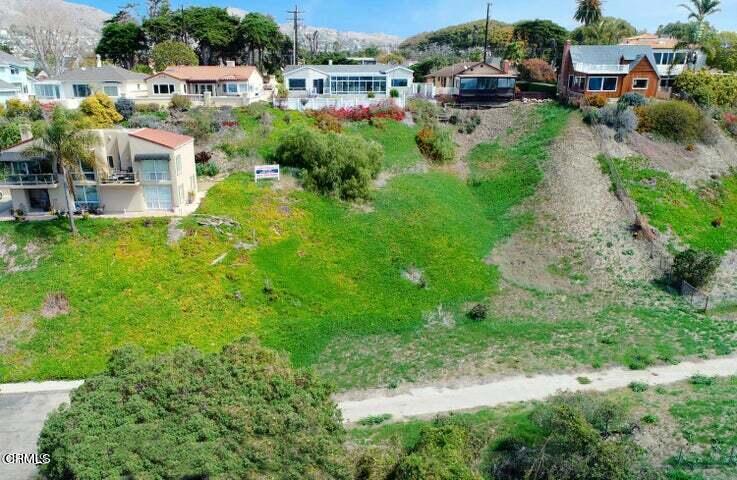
(106, 73)
(611, 54)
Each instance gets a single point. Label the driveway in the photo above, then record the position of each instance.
(21, 417)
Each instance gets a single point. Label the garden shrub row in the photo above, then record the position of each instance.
(676, 120)
(708, 89)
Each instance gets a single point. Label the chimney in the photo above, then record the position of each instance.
(564, 70)
(506, 66)
(98, 62)
(230, 63)
(25, 132)
(330, 62)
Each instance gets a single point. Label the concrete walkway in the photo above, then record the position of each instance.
(24, 406)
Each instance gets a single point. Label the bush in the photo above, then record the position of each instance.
(180, 103)
(325, 121)
(424, 112)
(674, 119)
(591, 115)
(537, 70)
(730, 123)
(436, 143)
(240, 413)
(9, 133)
(619, 117)
(147, 108)
(200, 123)
(125, 107)
(695, 267)
(394, 93)
(708, 89)
(360, 113)
(202, 157)
(208, 169)
(144, 121)
(594, 100)
(332, 164)
(15, 108)
(638, 387)
(100, 110)
(478, 312)
(633, 99)
(702, 380)
(375, 420)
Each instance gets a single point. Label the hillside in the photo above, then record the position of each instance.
(461, 36)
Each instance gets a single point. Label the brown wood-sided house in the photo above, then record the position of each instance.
(608, 70)
(475, 81)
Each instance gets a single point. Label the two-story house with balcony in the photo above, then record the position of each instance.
(672, 58)
(15, 81)
(135, 171)
(608, 70)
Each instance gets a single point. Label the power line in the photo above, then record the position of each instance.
(486, 31)
(295, 19)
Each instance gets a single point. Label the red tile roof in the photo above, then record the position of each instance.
(161, 137)
(210, 73)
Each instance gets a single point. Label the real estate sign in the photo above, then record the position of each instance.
(266, 172)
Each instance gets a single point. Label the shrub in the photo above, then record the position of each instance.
(144, 121)
(537, 70)
(371, 95)
(15, 108)
(208, 169)
(326, 122)
(200, 123)
(186, 414)
(638, 387)
(594, 100)
(360, 113)
(591, 115)
(436, 143)
(702, 380)
(674, 119)
(707, 88)
(100, 110)
(202, 157)
(695, 267)
(9, 133)
(619, 117)
(424, 112)
(633, 99)
(125, 107)
(394, 93)
(478, 312)
(180, 103)
(147, 107)
(650, 419)
(332, 164)
(375, 420)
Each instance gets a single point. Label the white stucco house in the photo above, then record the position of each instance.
(15, 80)
(671, 59)
(229, 80)
(343, 85)
(73, 86)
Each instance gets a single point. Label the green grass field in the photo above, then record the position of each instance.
(688, 211)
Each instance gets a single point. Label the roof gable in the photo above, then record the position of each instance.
(161, 137)
(105, 73)
(610, 55)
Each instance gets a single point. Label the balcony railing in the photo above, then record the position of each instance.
(84, 177)
(33, 179)
(120, 178)
(593, 68)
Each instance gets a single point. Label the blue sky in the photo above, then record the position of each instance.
(407, 17)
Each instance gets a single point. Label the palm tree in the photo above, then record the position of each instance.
(698, 10)
(68, 147)
(588, 11)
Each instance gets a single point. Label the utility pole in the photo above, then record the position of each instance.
(295, 19)
(486, 32)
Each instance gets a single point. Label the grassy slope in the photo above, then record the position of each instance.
(704, 415)
(687, 211)
(400, 149)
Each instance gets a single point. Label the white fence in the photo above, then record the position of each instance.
(343, 101)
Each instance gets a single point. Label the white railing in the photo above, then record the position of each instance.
(593, 68)
(337, 101)
(30, 179)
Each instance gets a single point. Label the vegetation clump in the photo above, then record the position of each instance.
(125, 107)
(695, 267)
(100, 111)
(537, 70)
(246, 414)
(436, 143)
(332, 164)
(632, 99)
(675, 120)
(708, 89)
(180, 103)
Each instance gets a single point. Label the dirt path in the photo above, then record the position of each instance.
(431, 400)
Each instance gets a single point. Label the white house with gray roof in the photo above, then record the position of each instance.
(345, 85)
(15, 81)
(73, 86)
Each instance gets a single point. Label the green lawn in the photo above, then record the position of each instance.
(398, 140)
(688, 211)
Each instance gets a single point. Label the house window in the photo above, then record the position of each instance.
(602, 84)
(110, 161)
(157, 197)
(86, 197)
(640, 84)
(110, 90)
(399, 82)
(155, 170)
(506, 83)
(231, 88)
(82, 90)
(48, 91)
(345, 84)
(14, 70)
(576, 83)
(163, 89)
(667, 82)
(297, 84)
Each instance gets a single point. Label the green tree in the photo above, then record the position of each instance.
(100, 111)
(544, 39)
(163, 27)
(4, 47)
(259, 33)
(121, 43)
(170, 52)
(699, 10)
(608, 31)
(240, 413)
(588, 11)
(66, 146)
(214, 30)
